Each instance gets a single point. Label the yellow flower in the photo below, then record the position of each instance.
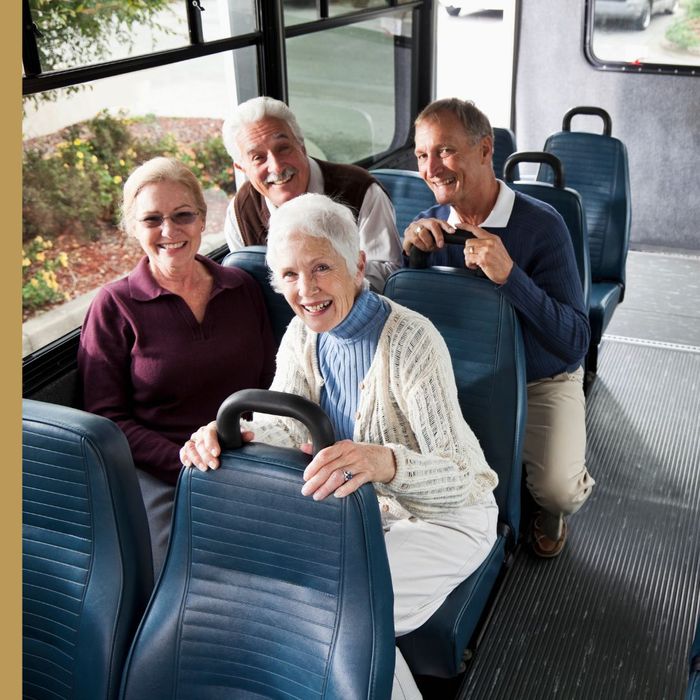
(63, 259)
(62, 145)
(45, 276)
(38, 239)
(77, 142)
(122, 161)
(79, 165)
(26, 262)
(48, 244)
(41, 257)
(93, 159)
(80, 155)
(34, 282)
(117, 179)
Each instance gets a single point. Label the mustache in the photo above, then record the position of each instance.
(277, 178)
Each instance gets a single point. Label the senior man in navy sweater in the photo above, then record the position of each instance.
(531, 259)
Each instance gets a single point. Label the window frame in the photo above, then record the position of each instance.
(622, 66)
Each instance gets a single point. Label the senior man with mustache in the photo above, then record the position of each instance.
(265, 142)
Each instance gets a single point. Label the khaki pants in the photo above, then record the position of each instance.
(554, 451)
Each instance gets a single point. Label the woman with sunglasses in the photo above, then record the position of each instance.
(161, 348)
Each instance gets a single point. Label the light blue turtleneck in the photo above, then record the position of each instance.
(345, 354)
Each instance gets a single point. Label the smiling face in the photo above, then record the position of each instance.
(316, 282)
(458, 171)
(171, 245)
(273, 160)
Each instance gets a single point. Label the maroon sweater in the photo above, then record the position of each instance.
(146, 363)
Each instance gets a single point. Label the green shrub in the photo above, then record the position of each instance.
(76, 186)
(39, 283)
(685, 33)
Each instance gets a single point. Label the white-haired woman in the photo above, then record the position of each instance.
(383, 374)
(161, 348)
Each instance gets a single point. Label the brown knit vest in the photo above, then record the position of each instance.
(346, 184)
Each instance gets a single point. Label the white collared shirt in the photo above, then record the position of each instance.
(499, 215)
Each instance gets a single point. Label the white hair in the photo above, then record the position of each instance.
(313, 215)
(252, 111)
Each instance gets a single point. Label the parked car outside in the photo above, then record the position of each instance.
(637, 12)
(455, 7)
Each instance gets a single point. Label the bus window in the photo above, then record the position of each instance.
(79, 147)
(637, 35)
(347, 107)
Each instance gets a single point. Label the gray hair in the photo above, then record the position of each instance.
(313, 215)
(252, 111)
(159, 169)
(476, 124)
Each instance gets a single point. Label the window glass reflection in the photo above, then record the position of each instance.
(341, 87)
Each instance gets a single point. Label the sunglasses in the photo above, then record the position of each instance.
(179, 218)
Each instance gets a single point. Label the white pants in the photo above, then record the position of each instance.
(428, 560)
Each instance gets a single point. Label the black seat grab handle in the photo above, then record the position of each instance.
(276, 403)
(592, 111)
(535, 157)
(418, 259)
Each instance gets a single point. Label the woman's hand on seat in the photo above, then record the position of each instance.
(202, 450)
(342, 468)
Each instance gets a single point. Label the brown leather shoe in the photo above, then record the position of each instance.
(542, 545)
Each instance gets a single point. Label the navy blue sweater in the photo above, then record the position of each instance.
(544, 285)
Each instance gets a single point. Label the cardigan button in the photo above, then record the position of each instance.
(385, 508)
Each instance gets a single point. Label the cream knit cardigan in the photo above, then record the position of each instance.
(408, 402)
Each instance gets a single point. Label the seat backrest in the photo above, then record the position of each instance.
(565, 200)
(596, 166)
(408, 193)
(87, 571)
(483, 337)
(503, 146)
(266, 593)
(693, 690)
(252, 260)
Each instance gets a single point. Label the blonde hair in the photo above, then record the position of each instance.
(159, 169)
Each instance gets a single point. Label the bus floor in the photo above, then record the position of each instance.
(613, 616)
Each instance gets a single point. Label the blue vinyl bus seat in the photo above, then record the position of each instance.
(503, 146)
(252, 260)
(565, 200)
(408, 193)
(266, 593)
(596, 166)
(86, 557)
(693, 692)
(483, 336)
